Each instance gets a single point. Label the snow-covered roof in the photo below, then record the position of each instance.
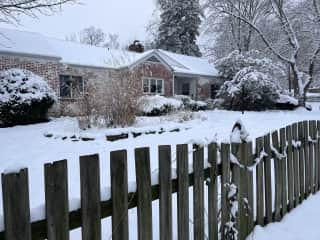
(188, 64)
(29, 43)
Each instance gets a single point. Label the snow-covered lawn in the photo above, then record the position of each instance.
(300, 224)
(26, 146)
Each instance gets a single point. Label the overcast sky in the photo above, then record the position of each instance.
(127, 18)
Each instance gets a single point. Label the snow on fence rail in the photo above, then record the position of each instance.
(285, 164)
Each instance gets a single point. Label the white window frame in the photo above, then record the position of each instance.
(149, 85)
(71, 92)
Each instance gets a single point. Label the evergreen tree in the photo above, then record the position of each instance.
(179, 26)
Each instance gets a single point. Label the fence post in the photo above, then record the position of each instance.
(16, 208)
(143, 179)
(90, 197)
(57, 204)
(225, 186)
(183, 192)
(165, 192)
(277, 172)
(301, 161)
(307, 159)
(283, 172)
(198, 192)
(119, 191)
(267, 178)
(213, 193)
(296, 164)
(235, 175)
(259, 179)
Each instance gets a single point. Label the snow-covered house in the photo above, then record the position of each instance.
(68, 65)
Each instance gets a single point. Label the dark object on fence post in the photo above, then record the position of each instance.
(119, 191)
(144, 201)
(16, 208)
(225, 186)
(290, 168)
(295, 164)
(301, 161)
(57, 204)
(90, 197)
(183, 192)
(259, 185)
(198, 192)
(277, 170)
(267, 178)
(283, 172)
(306, 159)
(165, 192)
(213, 193)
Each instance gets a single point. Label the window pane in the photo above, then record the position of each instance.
(146, 85)
(65, 86)
(153, 86)
(159, 86)
(77, 87)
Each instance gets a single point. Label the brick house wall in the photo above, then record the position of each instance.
(156, 70)
(46, 68)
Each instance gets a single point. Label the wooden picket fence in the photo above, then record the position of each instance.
(285, 163)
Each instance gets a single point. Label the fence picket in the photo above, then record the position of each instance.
(306, 159)
(295, 164)
(235, 175)
(57, 204)
(183, 192)
(301, 161)
(198, 193)
(267, 178)
(290, 176)
(144, 201)
(277, 170)
(165, 193)
(225, 186)
(90, 197)
(242, 155)
(213, 193)
(318, 152)
(313, 134)
(119, 191)
(259, 180)
(249, 157)
(283, 164)
(16, 209)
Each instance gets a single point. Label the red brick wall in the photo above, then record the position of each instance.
(156, 70)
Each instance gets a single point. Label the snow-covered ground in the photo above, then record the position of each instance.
(26, 146)
(300, 224)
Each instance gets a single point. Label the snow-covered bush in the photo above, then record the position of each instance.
(158, 105)
(190, 104)
(230, 65)
(25, 98)
(250, 90)
(111, 103)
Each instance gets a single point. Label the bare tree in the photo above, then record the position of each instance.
(112, 41)
(278, 10)
(90, 36)
(11, 10)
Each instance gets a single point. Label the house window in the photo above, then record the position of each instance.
(71, 86)
(214, 89)
(153, 86)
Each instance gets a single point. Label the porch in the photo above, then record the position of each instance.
(185, 86)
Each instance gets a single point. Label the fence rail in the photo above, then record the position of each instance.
(285, 163)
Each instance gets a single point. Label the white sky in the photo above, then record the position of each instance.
(128, 18)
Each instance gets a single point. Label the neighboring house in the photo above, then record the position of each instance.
(67, 66)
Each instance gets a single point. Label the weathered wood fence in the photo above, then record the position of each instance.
(285, 164)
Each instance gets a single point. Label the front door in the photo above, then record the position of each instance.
(186, 89)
